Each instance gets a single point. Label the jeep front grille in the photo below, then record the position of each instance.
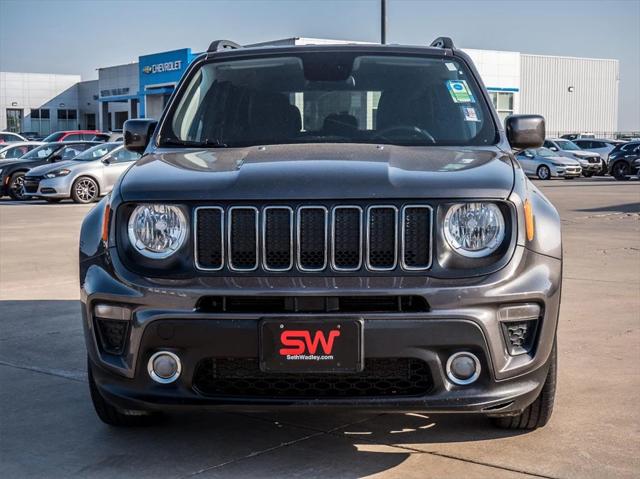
(314, 238)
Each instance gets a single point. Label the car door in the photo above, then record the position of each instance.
(115, 165)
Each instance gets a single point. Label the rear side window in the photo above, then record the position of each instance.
(74, 137)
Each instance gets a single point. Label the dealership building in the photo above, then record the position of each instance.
(573, 94)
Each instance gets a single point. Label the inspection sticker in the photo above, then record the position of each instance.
(470, 113)
(460, 91)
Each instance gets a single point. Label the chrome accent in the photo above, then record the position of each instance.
(257, 232)
(367, 235)
(195, 237)
(265, 266)
(159, 379)
(403, 265)
(326, 227)
(463, 382)
(332, 241)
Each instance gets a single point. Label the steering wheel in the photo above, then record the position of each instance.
(413, 131)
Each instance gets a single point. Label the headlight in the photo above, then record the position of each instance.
(558, 164)
(474, 229)
(157, 231)
(62, 172)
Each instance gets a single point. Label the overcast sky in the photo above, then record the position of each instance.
(69, 36)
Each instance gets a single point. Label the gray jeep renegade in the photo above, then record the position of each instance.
(334, 226)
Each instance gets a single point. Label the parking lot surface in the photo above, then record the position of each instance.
(48, 427)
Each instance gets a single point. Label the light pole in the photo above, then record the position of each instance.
(383, 21)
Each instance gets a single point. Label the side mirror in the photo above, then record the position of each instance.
(138, 133)
(528, 154)
(106, 161)
(55, 158)
(553, 148)
(525, 131)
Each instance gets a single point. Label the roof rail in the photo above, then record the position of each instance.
(442, 42)
(221, 45)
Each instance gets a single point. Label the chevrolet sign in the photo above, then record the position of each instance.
(163, 67)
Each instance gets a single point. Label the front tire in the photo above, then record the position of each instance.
(84, 190)
(621, 171)
(587, 174)
(538, 413)
(113, 416)
(16, 187)
(543, 172)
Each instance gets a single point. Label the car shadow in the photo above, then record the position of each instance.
(621, 208)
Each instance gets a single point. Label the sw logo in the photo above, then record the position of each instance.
(300, 342)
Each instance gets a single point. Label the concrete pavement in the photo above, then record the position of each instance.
(48, 427)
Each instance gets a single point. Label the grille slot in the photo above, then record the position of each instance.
(312, 238)
(382, 238)
(347, 238)
(416, 237)
(381, 377)
(209, 238)
(243, 238)
(277, 238)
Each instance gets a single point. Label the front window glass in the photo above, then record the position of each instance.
(331, 97)
(71, 151)
(544, 152)
(54, 136)
(44, 151)
(96, 152)
(567, 145)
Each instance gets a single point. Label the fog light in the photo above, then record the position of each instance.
(164, 367)
(463, 368)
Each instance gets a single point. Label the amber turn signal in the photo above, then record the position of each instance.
(528, 220)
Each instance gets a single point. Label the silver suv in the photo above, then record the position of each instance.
(83, 179)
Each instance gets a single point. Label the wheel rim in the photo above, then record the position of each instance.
(621, 169)
(543, 173)
(18, 187)
(86, 190)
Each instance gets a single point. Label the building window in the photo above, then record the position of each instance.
(40, 121)
(67, 119)
(503, 102)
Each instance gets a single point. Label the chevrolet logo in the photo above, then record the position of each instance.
(147, 69)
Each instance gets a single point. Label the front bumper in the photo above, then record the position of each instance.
(462, 316)
(59, 187)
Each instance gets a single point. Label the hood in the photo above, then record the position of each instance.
(584, 154)
(327, 171)
(44, 169)
(563, 160)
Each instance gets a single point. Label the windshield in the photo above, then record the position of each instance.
(44, 151)
(567, 145)
(97, 152)
(544, 152)
(329, 97)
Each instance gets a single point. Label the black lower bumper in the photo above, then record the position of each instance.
(426, 341)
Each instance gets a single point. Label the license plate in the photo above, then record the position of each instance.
(311, 345)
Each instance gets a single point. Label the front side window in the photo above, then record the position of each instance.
(71, 151)
(321, 97)
(44, 151)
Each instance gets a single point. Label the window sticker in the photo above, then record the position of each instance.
(451, 66)
(470, 113)
(460, 91)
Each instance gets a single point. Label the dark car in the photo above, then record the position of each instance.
(325, 226)
(77, 135)
(12, 172)
(624, 160)
(31, 135)
(601, 146)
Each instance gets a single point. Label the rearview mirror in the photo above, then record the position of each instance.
(138, 133)
(525, 131)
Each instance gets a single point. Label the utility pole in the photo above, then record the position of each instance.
(383, 21)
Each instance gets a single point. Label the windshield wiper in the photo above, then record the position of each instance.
(207, 143)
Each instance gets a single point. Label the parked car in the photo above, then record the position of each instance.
(379, 258)
(545, 164)
(113, 136)
(12, 172)
(624, 160)
(84, 179)
(9, 137)
(31, 135)
(591, 163)
(601, 146)
(77, 135)
(14, 150)
(573, 136)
